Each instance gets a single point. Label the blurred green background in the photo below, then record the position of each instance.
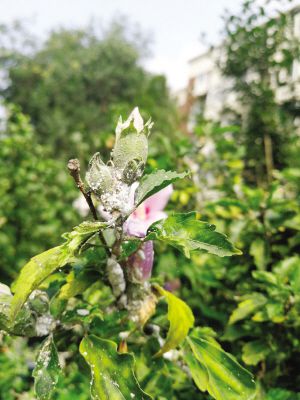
(61, 98)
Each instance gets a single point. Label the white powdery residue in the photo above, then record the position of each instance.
(124, 335)
(44, 324)
(117, 199)
(171, 355)
(82, 312)
(116, 277)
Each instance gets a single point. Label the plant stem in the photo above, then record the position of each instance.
(74, 169)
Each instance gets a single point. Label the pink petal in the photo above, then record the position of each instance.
(141, 262)
(159, 200)
(138, 227)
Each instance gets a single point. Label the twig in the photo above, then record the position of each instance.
(74, 169)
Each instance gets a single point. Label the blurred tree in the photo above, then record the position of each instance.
(260, 50)
(76, 84)
(35, 196)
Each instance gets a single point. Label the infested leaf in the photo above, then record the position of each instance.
(99, 176)
(47, 370)
(44, 264)
(113, 376)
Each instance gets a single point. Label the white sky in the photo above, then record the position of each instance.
(174, 25)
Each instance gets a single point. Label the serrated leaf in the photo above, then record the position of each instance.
(181, 319)
(186, 233)
(47, 370)
(247, 307)
(154, 182)
(113, 375)
(44, 264)
(224, 377)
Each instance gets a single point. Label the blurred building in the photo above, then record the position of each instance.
(209, 93)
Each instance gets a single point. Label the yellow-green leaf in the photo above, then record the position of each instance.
(113, 375)
(247, 307)
(181, 320)
(218, 372)
(76, 284)
(34, 272)
(44, 264)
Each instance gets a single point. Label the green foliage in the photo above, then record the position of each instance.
(186, 233)
(251, 300)
(34, 192)
(101, 76)
(96, 297)
(260, 50)
(112, 373)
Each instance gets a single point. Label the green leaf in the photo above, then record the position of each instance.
(76, 284)
(266, 277)
(281, 394)
(272, 311)
(35, 271)
(247, 307)
(186, 233)
(218, 372)
(254, 352)
(288, 270)
(154, 182)
(25, 322)
(130, 146)
(259, 253)
(129, 247)
(83, 232)
(44, 264)
(181, 320)
(113, 375)
(47, 370)
(197, 370)
(81, 314)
